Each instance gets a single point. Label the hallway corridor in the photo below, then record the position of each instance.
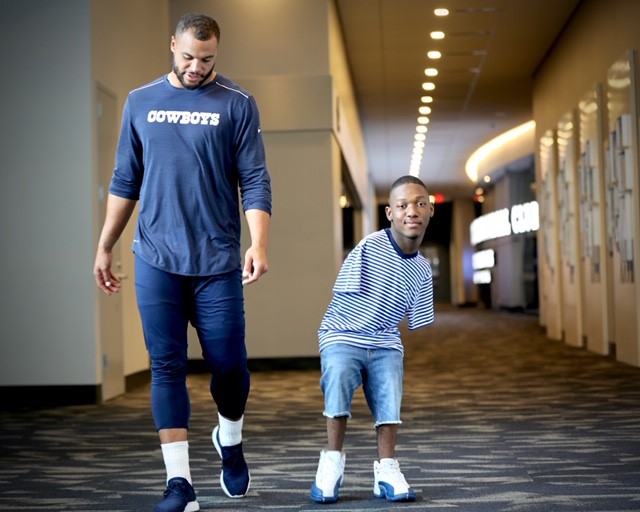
(496, 418)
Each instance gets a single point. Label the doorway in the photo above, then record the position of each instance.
(110, 307)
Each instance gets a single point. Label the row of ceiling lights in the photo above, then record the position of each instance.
(424, 110)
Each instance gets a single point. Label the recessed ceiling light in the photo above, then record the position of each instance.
(434, 54)
(431, 72)
(421, 129)
(423, 120)
(437, 34)
(426, 99)
(425, 111)
(428, 86)
(441, 12)
(419, 136)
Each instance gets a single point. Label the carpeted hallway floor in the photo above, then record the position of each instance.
(496, 418)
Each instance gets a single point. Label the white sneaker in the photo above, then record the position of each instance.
(328, 477)
(390, 482)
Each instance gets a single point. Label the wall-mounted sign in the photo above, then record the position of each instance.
(522, 218)
(483, 259)
(482, 276)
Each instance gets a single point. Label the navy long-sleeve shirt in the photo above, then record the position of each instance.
(185, 154)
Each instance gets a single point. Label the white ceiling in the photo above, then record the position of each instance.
(490, 53)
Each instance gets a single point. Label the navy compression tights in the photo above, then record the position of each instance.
(215, 307)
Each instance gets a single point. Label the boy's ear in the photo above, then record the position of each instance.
(387, 211)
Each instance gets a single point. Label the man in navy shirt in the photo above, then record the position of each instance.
(189, 141)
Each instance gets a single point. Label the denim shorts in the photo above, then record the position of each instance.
(379, 371)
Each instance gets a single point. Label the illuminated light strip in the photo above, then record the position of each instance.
(493, 145)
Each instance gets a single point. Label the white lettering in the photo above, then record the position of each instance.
(525, 217)
(183, 117)
(489, 226)
(483, 259)
(522, 219)
(482, 277)
(173, 116)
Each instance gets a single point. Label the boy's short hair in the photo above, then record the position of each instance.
(403, 180)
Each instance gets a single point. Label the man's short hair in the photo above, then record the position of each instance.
(203, 26)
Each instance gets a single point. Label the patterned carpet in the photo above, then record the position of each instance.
(496, 418)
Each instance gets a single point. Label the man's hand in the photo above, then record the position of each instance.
(108, 282)
(255, 264)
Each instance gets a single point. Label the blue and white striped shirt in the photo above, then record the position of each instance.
(377, 286)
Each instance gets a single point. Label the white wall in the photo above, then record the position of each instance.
(130, 47)
(48, 190)
(346, 122)
(45, 195)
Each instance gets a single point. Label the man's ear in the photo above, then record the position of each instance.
(432, 209)
(387, 211)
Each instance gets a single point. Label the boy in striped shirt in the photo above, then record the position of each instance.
(382, 281)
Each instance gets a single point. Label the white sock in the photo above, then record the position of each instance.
(176, 460)
(230, 432)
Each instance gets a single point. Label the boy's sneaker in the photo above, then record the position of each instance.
(390, 482)
(178, 497)
(235, 478)
(328, 477)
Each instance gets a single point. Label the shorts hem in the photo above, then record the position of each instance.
(390, 422)
(337, 415)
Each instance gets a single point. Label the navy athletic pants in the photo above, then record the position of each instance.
(215, 307)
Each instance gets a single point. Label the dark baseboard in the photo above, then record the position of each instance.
(284, 364)
(39, 397)
(266, 364)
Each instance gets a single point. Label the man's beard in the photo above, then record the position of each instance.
(187, 85)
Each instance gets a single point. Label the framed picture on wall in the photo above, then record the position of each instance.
(590, 175)
(566, 201)
(621, 154)
(547, 199)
